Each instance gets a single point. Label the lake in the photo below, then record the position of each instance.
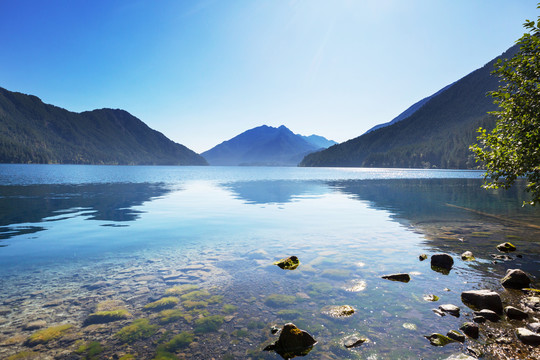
(79, 240)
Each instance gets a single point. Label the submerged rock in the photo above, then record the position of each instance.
(354, 341)
(443, 261)
(450, 309)
(506, 247)
(528, 337)
(470, 329)
(336, 311)
(439, 340)
(515, 279)
(398, 277)
(289, 263)
(292, 342)
(467, 256)
(482, 299)
(34, 325)
(515, 313)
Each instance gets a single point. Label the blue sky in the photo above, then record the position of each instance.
(203, 71)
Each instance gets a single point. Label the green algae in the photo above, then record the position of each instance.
(165, 355)
(279, 300)
(240, 333)
(439, 340)
(127, 357)
(336, 273)
(164, 303)
(255, 324)
(216, 299)
(190, 304)
(49, 334)
(138, 330)
(178, 342)
(181, 289)
(102, 317)
(289, 314)
(24, 355)
(172, 315)
(90, 350)
(208, 323)
(319, 289)
(195, 295)
(229, 309)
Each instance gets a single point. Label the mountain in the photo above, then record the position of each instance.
(410, 110)
(34, 132)
(263, 145)
(319, 141)
(436, 135)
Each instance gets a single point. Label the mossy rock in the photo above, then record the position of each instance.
(338, 311)
(190, 304)
(208, 324)
(103, 317)
(178, 342)
(439, 340)
(336, 273)
(24, 355)
(279, 300)
(164, 303)
(467, 256)
(138, 330)
(181, 289)
(172, 315)
(289, 263)
(90, 350)
(229, 309)
(506, 247)
(49, 334)
(422, 257)
(431, 297)
(195, 295)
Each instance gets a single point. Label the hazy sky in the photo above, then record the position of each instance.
(204, 71)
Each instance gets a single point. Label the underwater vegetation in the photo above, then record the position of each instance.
(208, 323)
(138, 330)
(164, 303)
(49, 334)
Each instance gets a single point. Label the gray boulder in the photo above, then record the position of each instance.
(515, 313)
(528, 337)
(515, 279)
(450, 309)
(488, 314)
(482, 299)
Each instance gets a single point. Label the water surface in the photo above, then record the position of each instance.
(72, 237)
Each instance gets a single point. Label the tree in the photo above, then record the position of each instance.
(512, 149)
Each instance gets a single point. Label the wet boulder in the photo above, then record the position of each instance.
(515, 313)
(515, 279)
(292, 342)
(338, 311)
(289, 263)
(422, 257)
(528, 337)
(450, 309)
(470, 329)
(456, 335)
(488, 314)
(436, 339)
(467, 256)
(398, 277)
(354, 341)
(442, 263)
(482, 299)
(506, 247)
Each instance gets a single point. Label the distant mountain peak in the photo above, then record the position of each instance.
(262, 145)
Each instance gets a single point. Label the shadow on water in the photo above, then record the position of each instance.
(23, 208)
(275, 191)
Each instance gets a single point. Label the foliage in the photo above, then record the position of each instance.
(34, 132)
(512, 149)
